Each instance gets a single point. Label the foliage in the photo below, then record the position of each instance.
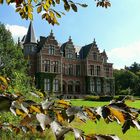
(125, 80)
(12, 62)
(48, 8)
(58, 115)
(135, 67)
(98, 98)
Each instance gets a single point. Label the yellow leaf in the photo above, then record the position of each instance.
(64, 103)
(30, 16)
(118, 114)
(36, 109)
(59, 117)
(3, 81)
(20, 113)
(51, 14)
(39, 9)
(1, 1)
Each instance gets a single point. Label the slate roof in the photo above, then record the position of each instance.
(30, 37)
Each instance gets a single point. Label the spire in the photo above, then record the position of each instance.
(70, 39)
(51, 33)
(94, 42)
(30, 37)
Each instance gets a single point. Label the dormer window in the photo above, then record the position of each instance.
(51, 50)
(69, 54)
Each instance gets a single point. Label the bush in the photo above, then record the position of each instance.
(98, 98)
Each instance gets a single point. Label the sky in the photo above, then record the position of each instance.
(116, 29)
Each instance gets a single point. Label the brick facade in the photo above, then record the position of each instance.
(58, 69)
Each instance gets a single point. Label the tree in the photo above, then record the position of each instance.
(125, 79)
(48, 7)
(12, 62)
(135, 67)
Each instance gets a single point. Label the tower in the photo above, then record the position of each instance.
(30, 49)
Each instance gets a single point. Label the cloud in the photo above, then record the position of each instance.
(17, 31)
(125, 55)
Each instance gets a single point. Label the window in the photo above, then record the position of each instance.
(108, 87)
(92, 85)
(55, 85)
(77, 70)
(91, 69)
(98, 85)
(77, 87)
(51, 50)
(47, 66)
(107, 72)
(70, 69)
(63, 69)
(69, 53)
(55, 66)
(47, 84)
(94, 56)
(98, 70)
(70, 87)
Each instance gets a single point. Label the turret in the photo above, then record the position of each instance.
(30, 43)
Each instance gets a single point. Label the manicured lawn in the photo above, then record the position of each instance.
(101, 127)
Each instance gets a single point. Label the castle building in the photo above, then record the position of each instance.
(58, 69)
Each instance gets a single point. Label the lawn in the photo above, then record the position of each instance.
(101, 127)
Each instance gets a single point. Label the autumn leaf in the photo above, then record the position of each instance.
(39, 9)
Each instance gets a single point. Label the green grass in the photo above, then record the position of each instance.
(101, 127)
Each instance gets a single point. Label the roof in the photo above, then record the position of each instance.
(30, 37)
(85, 49)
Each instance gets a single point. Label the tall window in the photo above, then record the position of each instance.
(55, 66)
(92, 85)
(77, 70)
(95, 56)
(70, 87)
(51, 50)
(70, 69)
(55, 85)
(108, 87)
(91, 69)
(63, 68)
(98, 85)
(47, 66)
(47, 84)
(98, 70)
(77, 86)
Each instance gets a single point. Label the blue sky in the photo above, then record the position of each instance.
(116, 29)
